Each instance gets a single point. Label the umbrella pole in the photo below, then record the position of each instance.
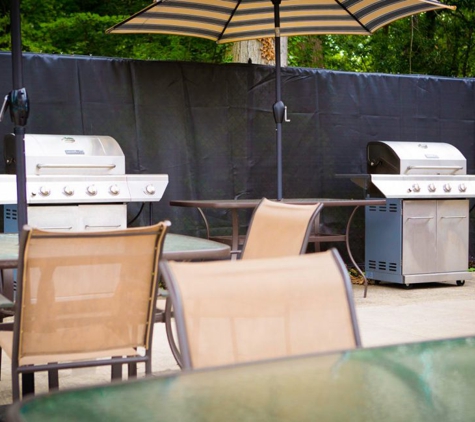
(19, 109)
(279, 107)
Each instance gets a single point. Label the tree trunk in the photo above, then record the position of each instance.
(260, 51)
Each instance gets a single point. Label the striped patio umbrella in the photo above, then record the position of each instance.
(227, 21)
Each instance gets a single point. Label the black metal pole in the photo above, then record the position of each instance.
(279, 108)
(19, 109)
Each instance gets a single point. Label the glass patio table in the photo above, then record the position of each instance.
(427, 381)
(177, 247)
(239, 204)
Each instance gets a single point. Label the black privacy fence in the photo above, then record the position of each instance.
(211, 127)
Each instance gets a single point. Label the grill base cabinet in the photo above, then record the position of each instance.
(71, 217)
(418, 241)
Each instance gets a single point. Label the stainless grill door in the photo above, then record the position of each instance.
(452, 235)
(419, 237)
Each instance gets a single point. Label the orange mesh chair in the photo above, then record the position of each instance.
(279, 229)
(228, 312)
(84, 299)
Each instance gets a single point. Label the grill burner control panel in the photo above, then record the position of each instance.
(80, 189)
(395, 186)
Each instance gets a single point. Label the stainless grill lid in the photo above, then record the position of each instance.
(415, 158)
(66, 154)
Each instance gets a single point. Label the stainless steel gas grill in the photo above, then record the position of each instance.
(75, 182)
(422, 233)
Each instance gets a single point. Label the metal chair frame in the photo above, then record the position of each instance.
(27, 371)
(175, 296)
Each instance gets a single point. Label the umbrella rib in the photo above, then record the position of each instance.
(229, 20)
(109, 31)
(353, 16)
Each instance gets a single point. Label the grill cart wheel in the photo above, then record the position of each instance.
(460, 282)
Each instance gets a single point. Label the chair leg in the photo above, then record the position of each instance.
(148, 365)
(27, 383)
(132, 367)
(15, 386)
(53, 379)
(116, 371)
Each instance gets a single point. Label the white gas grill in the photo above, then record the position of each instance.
(422, 233)
(75, 182)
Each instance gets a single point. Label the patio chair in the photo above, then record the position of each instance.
(276, 229)
(84, 299)
(228, 312)
(279, 229)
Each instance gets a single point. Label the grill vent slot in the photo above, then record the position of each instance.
(392, 267)
(382, 266)
(391, 207)
(10, 213)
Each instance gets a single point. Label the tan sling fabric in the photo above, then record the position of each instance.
(87, 295)
(239, 311)
(279, 229)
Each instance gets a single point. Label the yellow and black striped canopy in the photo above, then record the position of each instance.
(236, 20)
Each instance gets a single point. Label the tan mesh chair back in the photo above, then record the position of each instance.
(229, 312)
(83, 296)
(279, 229)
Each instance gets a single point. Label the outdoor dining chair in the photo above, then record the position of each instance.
(84, 299)
(228, 312)
(279, 229)
(276, 229)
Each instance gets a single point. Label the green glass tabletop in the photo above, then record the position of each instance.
(429, 381)
(177, 247)
(8, 250)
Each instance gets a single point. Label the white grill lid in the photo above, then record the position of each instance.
(415, 158)
(68, 154)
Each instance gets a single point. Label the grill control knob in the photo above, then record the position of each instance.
(416, 187)
(447, 188)
(45, 191)
(91, 190)
(68, 190)
(462, 187)
(150, 189)
(431, 187)
(114, 190)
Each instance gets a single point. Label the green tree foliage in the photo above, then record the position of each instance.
(435, 43)
(78, 27)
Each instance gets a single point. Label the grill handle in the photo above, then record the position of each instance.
(102, 226)
(75, 166)
(56, 228)
(454, 168)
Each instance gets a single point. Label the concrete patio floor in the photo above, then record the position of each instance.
(390, 314)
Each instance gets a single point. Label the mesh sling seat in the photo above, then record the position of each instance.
(229, 312)
(276, 229)
(84, 299)
(279, 229)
